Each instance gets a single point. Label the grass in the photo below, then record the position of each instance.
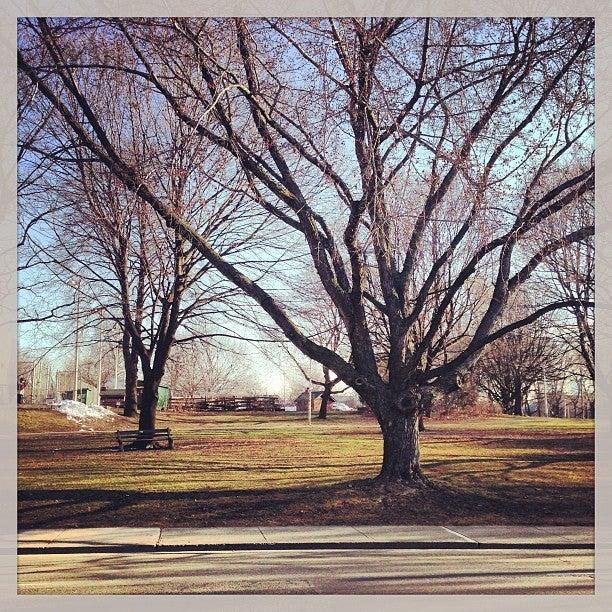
(31, 420)
(267, 469)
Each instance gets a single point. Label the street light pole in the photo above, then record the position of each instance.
(310, 393)
(100, 368)
(76, 344)
(545, 394)
(116, 368)
(563, 398)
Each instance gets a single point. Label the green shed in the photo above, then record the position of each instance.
(163, 396)
(84, 395)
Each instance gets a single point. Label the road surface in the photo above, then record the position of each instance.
(511, 571)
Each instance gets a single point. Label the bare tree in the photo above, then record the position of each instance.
(89, 363)
(509, 368)
(328, 384)
(573, 271)
(200, 370)
(146, 277)
(318, 314)
(364, 137)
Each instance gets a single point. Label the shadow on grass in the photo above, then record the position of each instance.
(516, 463)
(355, 502)
(576, 442)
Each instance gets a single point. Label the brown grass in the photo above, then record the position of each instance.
(241, 469)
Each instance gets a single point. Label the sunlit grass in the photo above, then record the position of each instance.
(502, 460)
(43, 420)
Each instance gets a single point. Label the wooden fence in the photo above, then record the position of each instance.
(268, 403)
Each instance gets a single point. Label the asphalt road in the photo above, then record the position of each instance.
(426, 571)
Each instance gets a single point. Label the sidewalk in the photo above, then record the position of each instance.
(128, 539)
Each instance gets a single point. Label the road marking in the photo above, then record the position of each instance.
(263, 535)
(460, 535)
(365, 535)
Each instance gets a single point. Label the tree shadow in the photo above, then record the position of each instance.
(360, 501)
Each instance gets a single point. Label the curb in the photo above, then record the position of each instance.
(141, 548)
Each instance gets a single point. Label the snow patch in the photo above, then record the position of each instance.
(342, 407)
(82, 413)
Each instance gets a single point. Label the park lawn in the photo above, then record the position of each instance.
(275, 469)
(31, 421)
(37, 420)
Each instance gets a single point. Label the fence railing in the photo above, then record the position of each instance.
(268, 403)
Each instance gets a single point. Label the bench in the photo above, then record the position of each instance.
(148, 435)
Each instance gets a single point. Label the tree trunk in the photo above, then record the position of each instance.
(401, 449)
(148, 401)
(130, 360)
(324, 403)
(131, 387)
(518, 400)
(148, 408)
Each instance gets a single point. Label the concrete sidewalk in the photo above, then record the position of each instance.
(128, 539)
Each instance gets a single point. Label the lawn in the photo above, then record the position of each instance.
(275, 469)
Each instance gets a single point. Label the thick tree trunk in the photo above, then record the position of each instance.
(148, 407)
(148, 401)
(324, 403)
(131, 387)
(401, 449)
(130, 360)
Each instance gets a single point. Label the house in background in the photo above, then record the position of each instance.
(301, 401)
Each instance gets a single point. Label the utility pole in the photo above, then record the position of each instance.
(545, 393)
(563, 398)
(116, 367)
(100, 368)
(310, 393)
(76, 283)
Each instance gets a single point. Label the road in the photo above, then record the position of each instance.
(385, 571)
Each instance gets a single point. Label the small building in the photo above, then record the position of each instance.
(163, 397)
(83, 395)
(116, 397)
(301, 401)
(112, 398)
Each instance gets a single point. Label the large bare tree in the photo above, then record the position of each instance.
(370, 140)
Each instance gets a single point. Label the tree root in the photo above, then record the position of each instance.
(413, 479)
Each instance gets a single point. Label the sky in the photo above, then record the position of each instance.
(265, 370)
